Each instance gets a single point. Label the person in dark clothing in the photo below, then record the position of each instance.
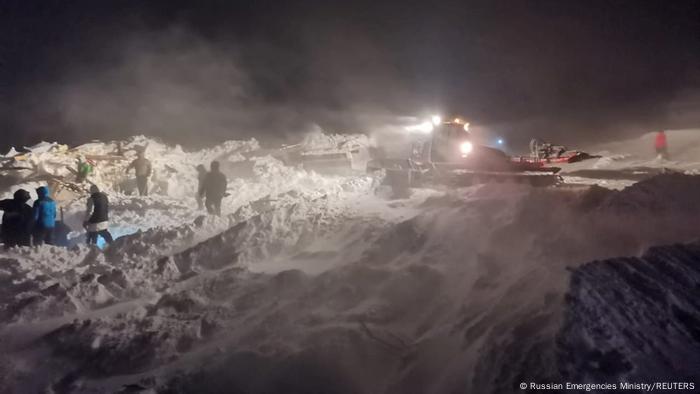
(142, 168)
(97, 217)
(214, 189)
(44, 217)
(201, 176)
(17, 220)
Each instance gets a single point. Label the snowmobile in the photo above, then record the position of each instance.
(448, 156)
(546, 153)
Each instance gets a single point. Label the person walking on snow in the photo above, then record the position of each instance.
(44, 217)
(661, 145)
(214, 189)
(142, 168)
(17, 220)
(97, 217)
(201, 176)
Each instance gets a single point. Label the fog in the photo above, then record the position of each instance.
(570, 73)
(177, 85)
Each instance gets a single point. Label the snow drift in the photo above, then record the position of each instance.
(433, 303)
(316, 284)
(634, 319)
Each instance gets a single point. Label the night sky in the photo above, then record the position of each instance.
(196, 72)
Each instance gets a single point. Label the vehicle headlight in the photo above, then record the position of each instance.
(466, 148)
(425, 127)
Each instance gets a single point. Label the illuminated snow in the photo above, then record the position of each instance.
(324, 283)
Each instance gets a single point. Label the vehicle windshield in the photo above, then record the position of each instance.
(446, 141)
(453, 132)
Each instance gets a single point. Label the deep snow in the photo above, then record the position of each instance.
(314, 283)
(625, 162)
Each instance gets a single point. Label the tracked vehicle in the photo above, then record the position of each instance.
(447, 155)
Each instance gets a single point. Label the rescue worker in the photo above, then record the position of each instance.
(661, 145)
(97, 217)
(44, 217)
(85, 168)
(214, 189)
(17, 220)
(142, 168)
(535, 146)
(201, 176)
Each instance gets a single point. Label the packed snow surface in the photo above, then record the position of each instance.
(312, 283)
(623, 163)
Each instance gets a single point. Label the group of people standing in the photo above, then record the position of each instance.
(24, 225)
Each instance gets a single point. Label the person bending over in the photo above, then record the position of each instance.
(97, 217)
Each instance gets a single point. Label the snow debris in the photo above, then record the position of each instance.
(311, 282)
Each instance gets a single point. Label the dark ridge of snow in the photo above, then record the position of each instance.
(674, 192)
(634, 319)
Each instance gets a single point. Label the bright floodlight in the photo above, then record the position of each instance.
(500, 141)
(425, 127)
(466, 148)
(436, 120)
(466, 126)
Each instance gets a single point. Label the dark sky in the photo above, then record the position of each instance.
(210, 70)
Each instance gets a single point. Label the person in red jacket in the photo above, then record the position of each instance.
(661, 145)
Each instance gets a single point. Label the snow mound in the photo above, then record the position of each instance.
(174, 170)
(608, 159)
(318, 141)
(173, 187)
(634, 319)
(676, 193)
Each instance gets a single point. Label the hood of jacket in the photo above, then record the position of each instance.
(22, 196)
(42, 192)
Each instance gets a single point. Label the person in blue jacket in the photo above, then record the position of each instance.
(44, 217)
